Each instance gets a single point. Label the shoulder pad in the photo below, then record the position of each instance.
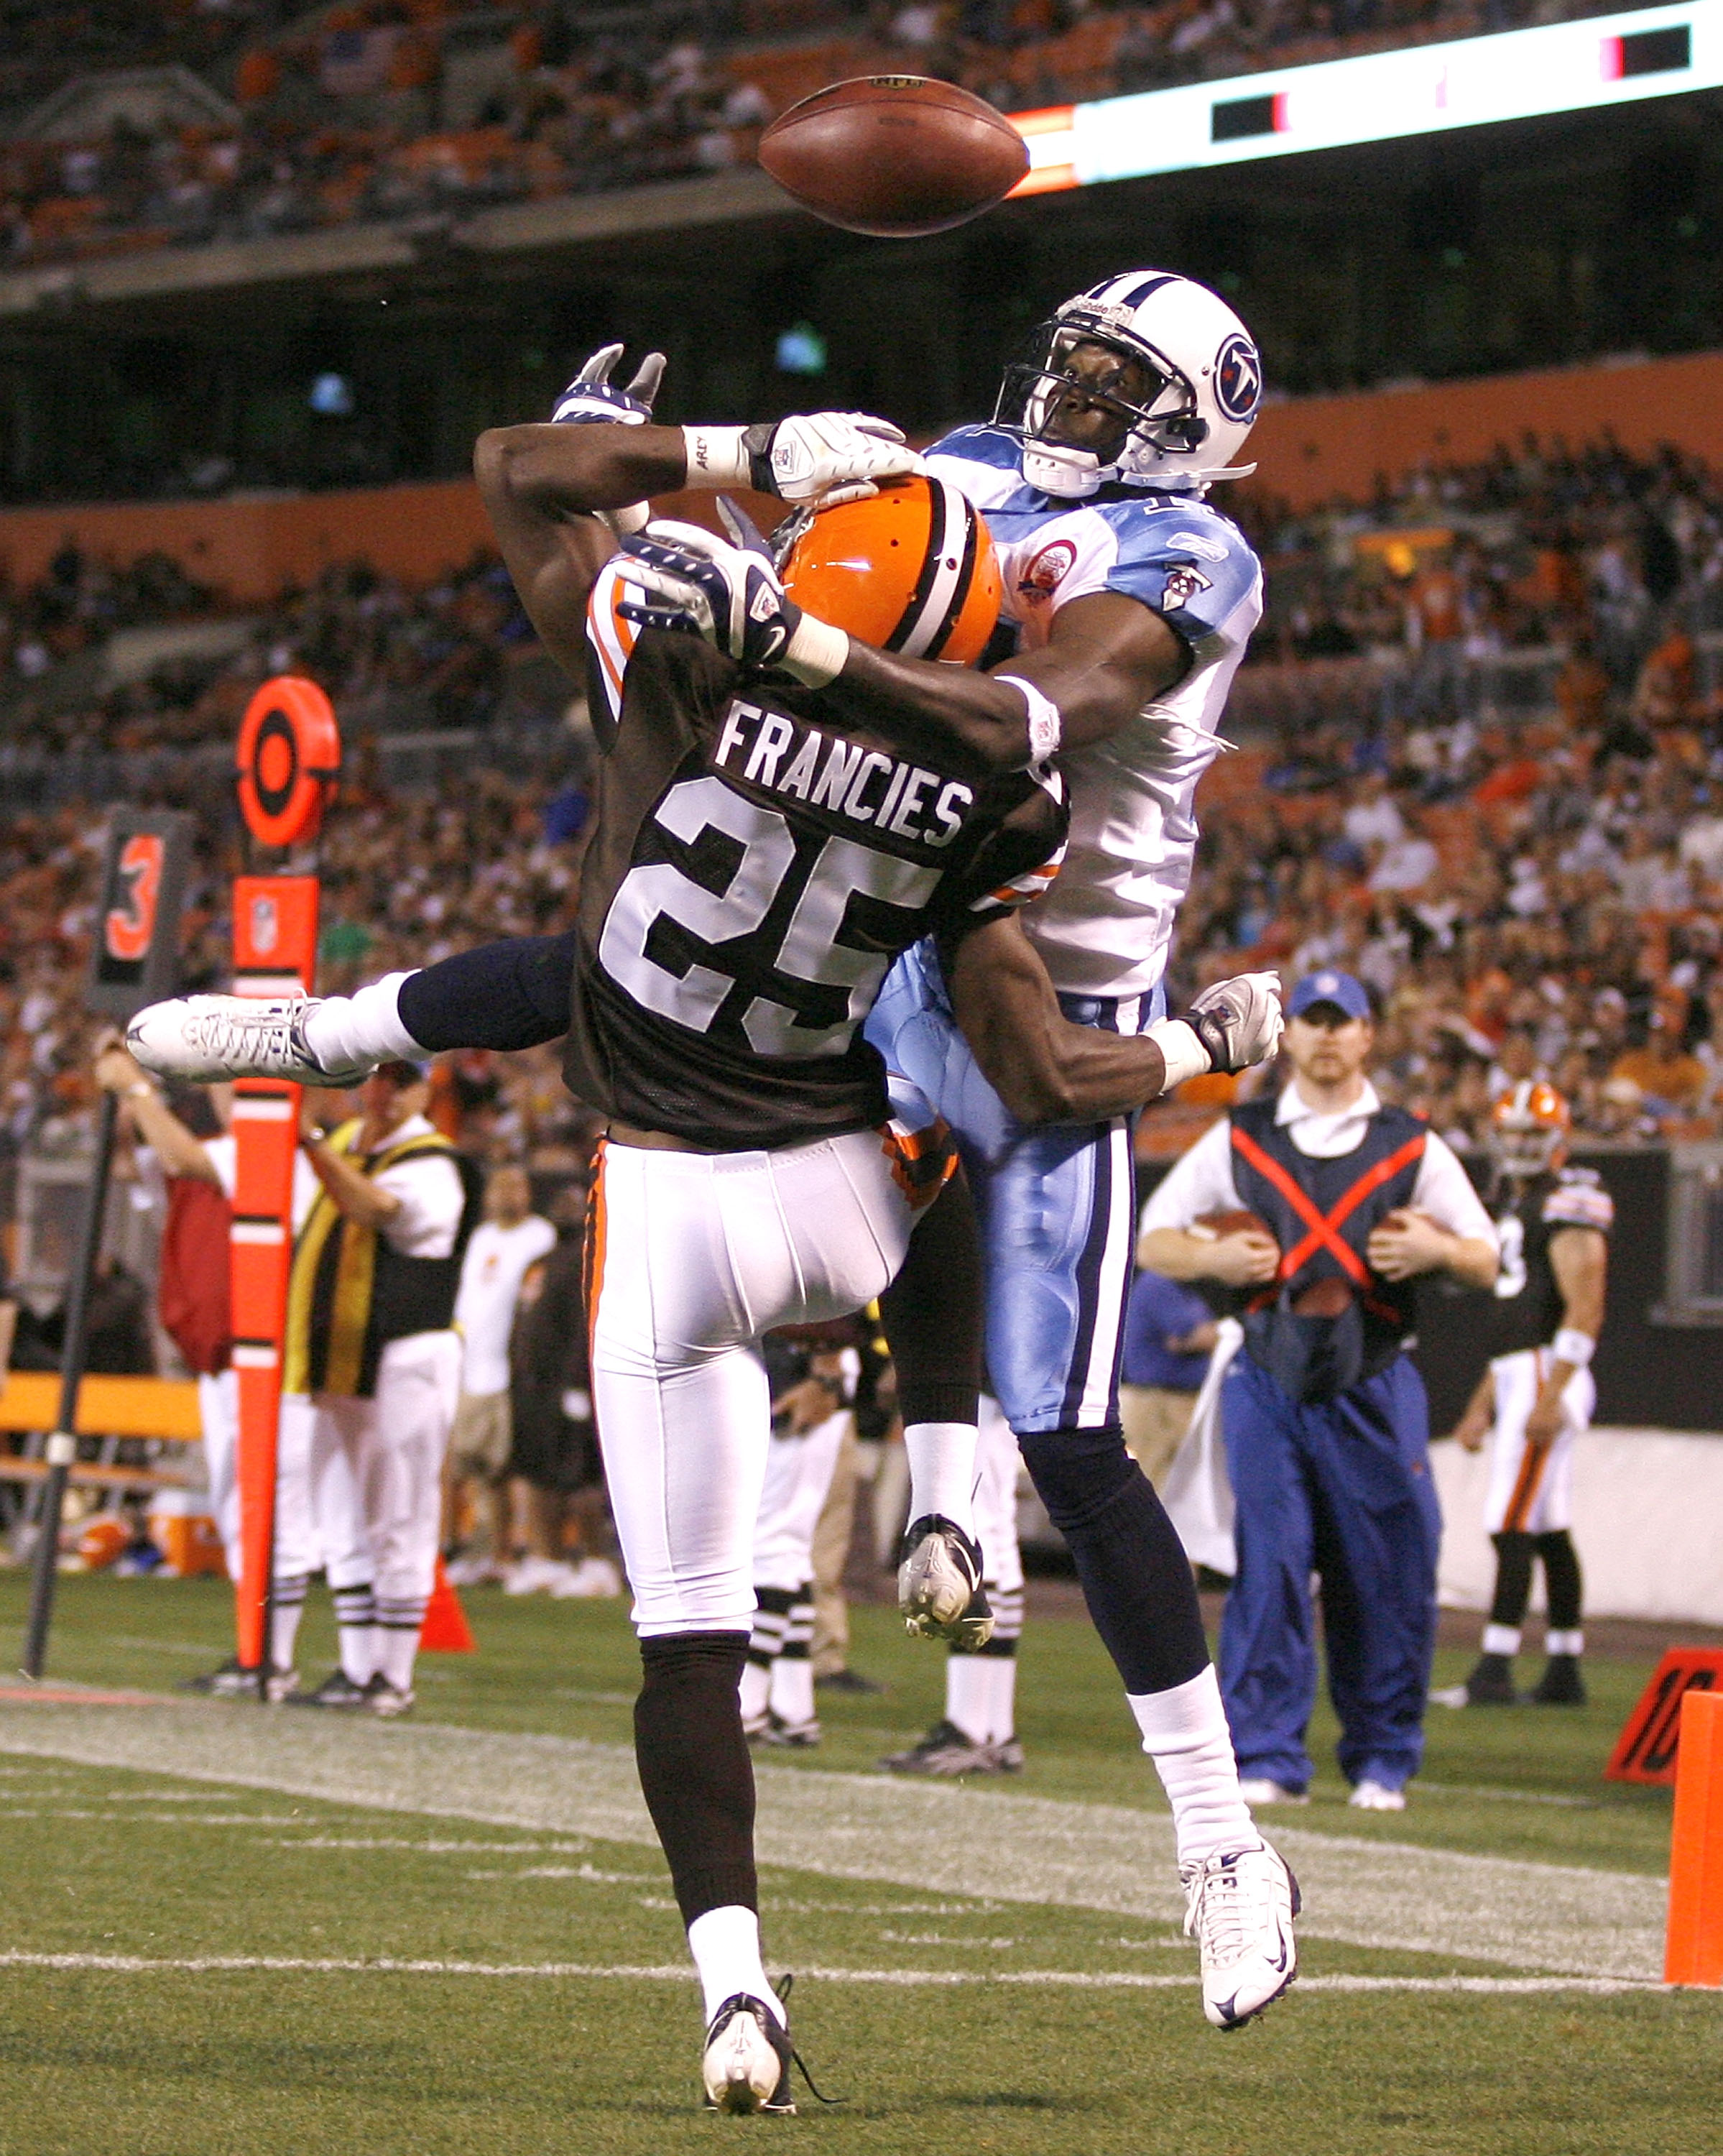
(981, 445)
(1186, 563)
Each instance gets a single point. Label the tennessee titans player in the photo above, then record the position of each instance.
(1132, 600)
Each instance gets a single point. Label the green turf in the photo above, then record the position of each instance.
(165, 2062)
(1522, 1782)
(170, 2062)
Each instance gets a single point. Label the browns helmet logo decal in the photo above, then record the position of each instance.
(1047, 570)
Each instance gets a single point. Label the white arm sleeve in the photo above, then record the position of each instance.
(1444, 1191)
(1200, 1181)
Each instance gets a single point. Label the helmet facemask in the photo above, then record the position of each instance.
(1045, 391)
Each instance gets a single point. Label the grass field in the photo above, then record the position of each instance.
(480, 1954)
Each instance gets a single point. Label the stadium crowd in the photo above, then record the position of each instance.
(414, 108)
(1526, 866)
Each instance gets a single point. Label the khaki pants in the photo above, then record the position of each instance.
(831, 1553)
(1155, 1419)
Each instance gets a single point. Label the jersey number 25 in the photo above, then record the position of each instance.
(808, 949)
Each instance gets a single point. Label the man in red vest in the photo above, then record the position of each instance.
(1327, 1423)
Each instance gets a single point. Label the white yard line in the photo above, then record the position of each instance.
(939, 1839)
(1068, 1979)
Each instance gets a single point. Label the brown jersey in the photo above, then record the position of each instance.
(752, 874)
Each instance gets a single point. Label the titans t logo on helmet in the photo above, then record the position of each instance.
(1238, 379)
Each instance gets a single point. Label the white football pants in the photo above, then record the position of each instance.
(694, 1256)
(798, 1474)
(393, 1447)
(1531, 1492)
(996, 1464)
(218, 1419)
(315, 1524)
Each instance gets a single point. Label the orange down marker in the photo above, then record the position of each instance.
(1694, 1954)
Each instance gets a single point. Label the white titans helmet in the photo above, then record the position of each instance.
(1181, 431)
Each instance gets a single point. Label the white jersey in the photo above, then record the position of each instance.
(495, 1264)
(1104, 928)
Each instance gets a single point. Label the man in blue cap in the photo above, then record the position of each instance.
(1325, 1418)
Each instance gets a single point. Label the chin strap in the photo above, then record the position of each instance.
(1066, 473)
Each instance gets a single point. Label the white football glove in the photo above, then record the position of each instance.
(823, 457)
(729, 592)
(1238, 1021)
(592, 399)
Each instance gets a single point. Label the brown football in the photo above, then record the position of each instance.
(1323, 1298)
(894, 155)
(1234, 1222)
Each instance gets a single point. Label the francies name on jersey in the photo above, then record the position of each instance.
(1104, 930)
(1527, 1309)
(751, 875)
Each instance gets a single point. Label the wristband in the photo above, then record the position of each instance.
(1181, 1050)
(623, 523)
(139, 1089)
(1046, 728)
(1573, 1347)
(717, 456)
(816, 654)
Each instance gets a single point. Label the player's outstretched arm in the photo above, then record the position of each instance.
(1047, 1071)
(1106, 657)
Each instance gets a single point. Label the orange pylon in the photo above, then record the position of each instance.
(1694, 1954)
(445, 1630)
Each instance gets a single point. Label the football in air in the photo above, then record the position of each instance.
(894, 155)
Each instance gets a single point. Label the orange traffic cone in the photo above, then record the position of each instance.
(1694, 1954)
(445, 1630)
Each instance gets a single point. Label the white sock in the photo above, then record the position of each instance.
(397, 1650)
(793, 1688)
(1185, 1733)
(755, 1690)
(358, 1652)
(725, 1947)
(967, 1695)
(1564, 1643)
(285, 1610)
(1501, 1640)
(1002, 1696)
(345, 1031)
(941, 1457)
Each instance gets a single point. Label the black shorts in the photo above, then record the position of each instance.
(550, 1450)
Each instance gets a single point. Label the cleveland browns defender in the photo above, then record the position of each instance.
(1537, 1394)
(756, 865)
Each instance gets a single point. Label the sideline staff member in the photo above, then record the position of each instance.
(1327, 1423)
(371, 1336)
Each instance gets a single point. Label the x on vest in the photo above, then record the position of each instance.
(349, 1293)
(1322, 1213)
(195, 1295)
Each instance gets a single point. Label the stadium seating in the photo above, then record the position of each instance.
(1499, 680)
(391, 110)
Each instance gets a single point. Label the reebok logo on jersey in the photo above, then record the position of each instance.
(1193, 542)
(767, 749)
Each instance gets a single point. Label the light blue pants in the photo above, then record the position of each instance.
(1056, 1206)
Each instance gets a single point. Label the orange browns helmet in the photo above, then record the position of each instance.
(1529, 1128)
(911, 570)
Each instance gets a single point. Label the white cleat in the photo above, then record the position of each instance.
(746, 2065)
(939, 1589)
(203, 1039)
(1258, 1792)
(1239, 1910)
(1377, 1797)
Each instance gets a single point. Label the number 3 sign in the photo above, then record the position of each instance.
(134, 959)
